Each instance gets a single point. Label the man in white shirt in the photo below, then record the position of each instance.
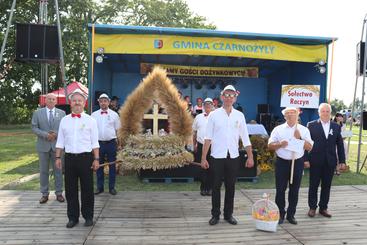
(322, 159)
(278, 142)
(198, 108)
(45, 124)
(225, 127)
(108, 123)
(78, 137)
(199, 128)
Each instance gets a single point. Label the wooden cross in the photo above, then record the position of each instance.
(155, 116)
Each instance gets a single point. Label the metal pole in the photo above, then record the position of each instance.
(61, 51)
(45, 21)
(353, 105)
(40, 21)
(40, 12)
(7, 30)
(363, 86)
(362, 107)
(44, 67)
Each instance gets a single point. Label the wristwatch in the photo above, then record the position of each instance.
(96, 159)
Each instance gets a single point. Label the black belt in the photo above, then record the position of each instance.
(288, 160)
(106, 141)
(78, 154)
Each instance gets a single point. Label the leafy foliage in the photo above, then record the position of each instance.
(265, 158)
(337, 105)
(18, 93)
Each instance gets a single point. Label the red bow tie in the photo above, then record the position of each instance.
(104, 112)
(75, 115)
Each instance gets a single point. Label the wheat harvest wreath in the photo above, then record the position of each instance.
(145, 151)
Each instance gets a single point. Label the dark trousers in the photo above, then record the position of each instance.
(320, 173)
(205, 176)
(227, 168)
(107, 149)
(282, 177)
(78, 167)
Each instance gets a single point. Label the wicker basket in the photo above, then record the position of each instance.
(266, 225)
(266, 214)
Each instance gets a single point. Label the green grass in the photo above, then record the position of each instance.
(19, 158)
(12, 127)
(18, 154)
(355, 130)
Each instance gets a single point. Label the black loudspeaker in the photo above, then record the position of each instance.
(360, 58)
(265, 119)
(263, 108)
(37, 43)
(365, 120)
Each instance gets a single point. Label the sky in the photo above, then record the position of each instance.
(325, 18)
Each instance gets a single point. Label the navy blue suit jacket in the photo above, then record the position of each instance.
(325, 149)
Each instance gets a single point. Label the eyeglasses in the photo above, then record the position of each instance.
(230, 95)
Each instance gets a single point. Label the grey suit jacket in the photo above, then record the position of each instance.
(41, 127)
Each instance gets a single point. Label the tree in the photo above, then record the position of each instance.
(171, 13)
(358, 105)
(337, 105)
(16, 80)
(18, 96)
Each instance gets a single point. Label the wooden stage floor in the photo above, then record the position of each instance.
(178, 218)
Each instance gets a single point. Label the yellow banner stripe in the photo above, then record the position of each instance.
(202, 71)
(214, 46)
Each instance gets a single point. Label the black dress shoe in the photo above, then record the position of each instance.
(203, 193)
(43, 199)
(325, 213)
(113, 192)
(209, 192)
(311, 213)
(98, 192)
(213, 221)
(60, 198)
(292, 220)
(88, 222)
(71, 223)
(281, 219)
(231, 220)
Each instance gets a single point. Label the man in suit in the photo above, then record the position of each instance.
(322, 159)
(45, 124)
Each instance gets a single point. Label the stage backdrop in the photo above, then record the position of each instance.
(258, 65)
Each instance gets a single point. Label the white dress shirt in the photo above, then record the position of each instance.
(326, 128)
(285, 132)
(108, 123)
(224, 131)
(78, 135)
(199, 126)
(48, 112)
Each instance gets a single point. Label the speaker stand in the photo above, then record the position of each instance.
(44, 67)
(364, 161)
(364, 29)
(43, 20)
(7, 30)
(61, 51)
